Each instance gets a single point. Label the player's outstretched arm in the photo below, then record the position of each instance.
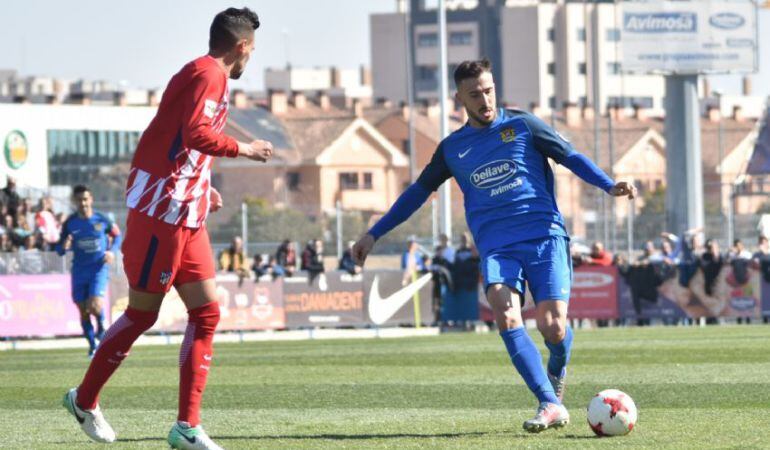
(435, 173)
(408, 202)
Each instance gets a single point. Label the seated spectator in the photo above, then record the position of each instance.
(233, 259)
(262, 268)
(347, 263)
(45, 222)
(649, 253)
(286, 259)
(740, 260)
(598, 256)
(30, 258)
(21, 230)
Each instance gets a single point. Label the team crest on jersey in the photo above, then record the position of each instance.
(99, 227)
(508, 135)
(165, 277)
(209, 108)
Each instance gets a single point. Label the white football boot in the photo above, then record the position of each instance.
(190, 438)
(91, 421)
(549, 415)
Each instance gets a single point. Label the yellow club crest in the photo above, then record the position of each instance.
(508, 135)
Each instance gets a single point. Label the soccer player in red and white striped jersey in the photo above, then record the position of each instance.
(169, 195)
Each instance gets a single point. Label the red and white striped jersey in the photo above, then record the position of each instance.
(170, 175)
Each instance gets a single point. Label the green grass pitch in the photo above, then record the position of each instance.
(698, 388)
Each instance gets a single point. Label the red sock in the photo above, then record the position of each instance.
(112, 350)
(195, 360)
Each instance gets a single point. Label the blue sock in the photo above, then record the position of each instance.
(100, 323)
(526, 358)
(560, 352)
(88, 332)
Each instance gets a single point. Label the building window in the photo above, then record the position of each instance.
(367, 180)
(552, 68)
(551, 35)
(613, 35)
(581, 34)
(292, 181)
(613, 68)
(552, 102)
(348, 180)
(460, 38)
(426, 73)
(427, 40)
(582, 101)
(582, 68)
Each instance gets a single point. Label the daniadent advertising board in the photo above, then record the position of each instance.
(688, 37)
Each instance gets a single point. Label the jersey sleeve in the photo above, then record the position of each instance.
(113, 231)
(436, 172)
(547, 141)
(198, 116)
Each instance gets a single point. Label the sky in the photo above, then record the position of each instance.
(144, 42)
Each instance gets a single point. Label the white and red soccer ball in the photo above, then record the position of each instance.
(612, 413)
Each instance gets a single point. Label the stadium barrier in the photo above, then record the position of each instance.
(40, 305)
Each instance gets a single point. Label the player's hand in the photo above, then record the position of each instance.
(216, 200)
(109, 257)
(623, 189)
(257, 150)
(68, 243)
(362, 248)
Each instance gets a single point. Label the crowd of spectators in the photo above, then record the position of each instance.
(24, 226)
(697, 264)
(284, 262)
(455, 276)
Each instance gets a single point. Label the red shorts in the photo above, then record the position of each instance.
(158, 255)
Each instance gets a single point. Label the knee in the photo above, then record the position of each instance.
(553, 331)
(206, 316)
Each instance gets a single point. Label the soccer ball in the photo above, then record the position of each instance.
(611, 413)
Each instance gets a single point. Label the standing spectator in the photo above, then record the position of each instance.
(312, 258)
(740, 261)
(45, 222)
(447, 251)
(286, 259)
(412, 261)
(463, 304)
(711, 262)
(598, 256)
(761, 262)
(233, 259)
(347, 263)
(11, 197)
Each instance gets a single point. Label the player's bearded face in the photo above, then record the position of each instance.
(244, 53)
(479, 99)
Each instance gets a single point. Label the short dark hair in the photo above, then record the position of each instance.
(79, 189)
(471, 69)
(230, 26)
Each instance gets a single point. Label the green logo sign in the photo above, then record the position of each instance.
(16, 149)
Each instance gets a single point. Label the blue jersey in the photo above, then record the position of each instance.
(90, 240)
(504, 174)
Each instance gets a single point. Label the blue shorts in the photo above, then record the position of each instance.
(87, 283)
(543, 263)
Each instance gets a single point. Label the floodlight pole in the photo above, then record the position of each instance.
(684, 195)
(445, 193)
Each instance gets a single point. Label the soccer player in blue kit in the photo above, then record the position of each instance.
(500, 161)
(94, 239)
